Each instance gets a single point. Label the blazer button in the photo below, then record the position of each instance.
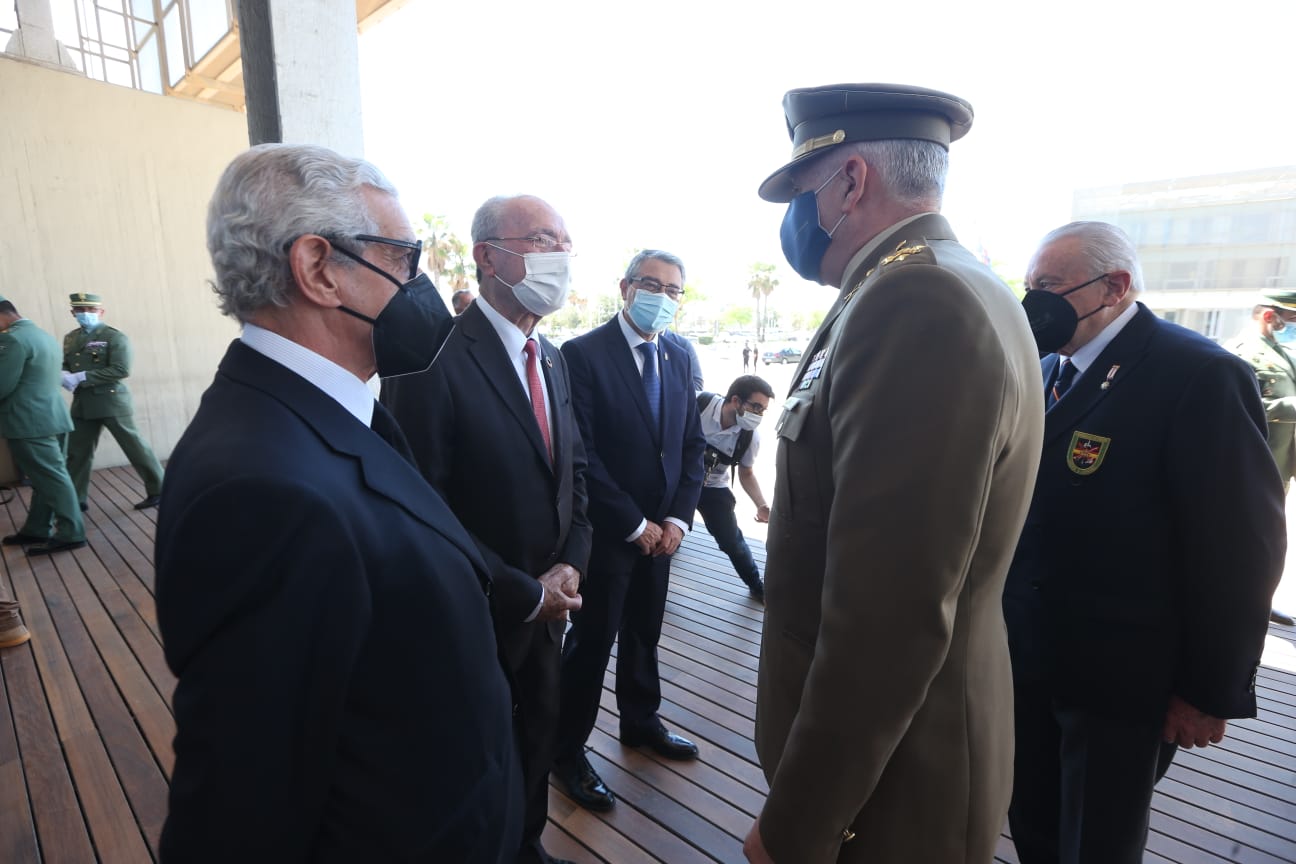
(1035, 585)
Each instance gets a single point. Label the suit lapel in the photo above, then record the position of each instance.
(488, 353)
(384, 470)
(1124, 353)
(631, 377)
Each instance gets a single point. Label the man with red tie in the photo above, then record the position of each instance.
(492, 428)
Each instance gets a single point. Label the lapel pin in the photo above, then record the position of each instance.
(549, 362)
(1111, 373)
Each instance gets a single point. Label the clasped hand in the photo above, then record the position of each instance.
(72, 379)
(561, 592)
(657, 540)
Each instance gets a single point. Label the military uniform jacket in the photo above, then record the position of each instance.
(1156, 535)
(1276, 375)
(104, 354)
(908, 447)
(31, 404)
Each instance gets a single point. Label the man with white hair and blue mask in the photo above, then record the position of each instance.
(907, 447)
(1137, 600)
(340, 697)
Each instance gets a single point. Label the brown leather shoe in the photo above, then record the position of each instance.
(12, 631)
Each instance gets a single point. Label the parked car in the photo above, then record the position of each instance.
(787, 354)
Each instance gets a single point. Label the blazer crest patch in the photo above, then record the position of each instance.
(1087, 452)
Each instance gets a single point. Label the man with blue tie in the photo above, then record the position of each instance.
(632, 388)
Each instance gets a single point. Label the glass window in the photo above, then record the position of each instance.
(173, 42)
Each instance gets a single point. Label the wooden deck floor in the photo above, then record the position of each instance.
(85, 724)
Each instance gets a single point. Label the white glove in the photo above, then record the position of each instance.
(72, 379)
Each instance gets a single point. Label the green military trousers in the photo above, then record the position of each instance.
(84, 440)
(53, 498)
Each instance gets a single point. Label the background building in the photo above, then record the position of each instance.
(1208, 244)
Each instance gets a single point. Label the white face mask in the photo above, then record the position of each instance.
(543, 290)
(749, 420)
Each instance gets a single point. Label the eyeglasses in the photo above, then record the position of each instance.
(653, 286)
(415, 248)
(539, 242)
(755, 408)
(410, 258)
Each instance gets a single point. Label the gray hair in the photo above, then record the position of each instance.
(1106, 247)
(912, 171)
(269, 196)
(486, 221)
(637, 262)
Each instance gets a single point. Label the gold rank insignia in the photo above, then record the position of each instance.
(1087, 452)
(902, 252)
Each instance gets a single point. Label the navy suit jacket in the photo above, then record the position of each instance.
(1156, 535)
(636, 471)
(340, 695)
(476, 441)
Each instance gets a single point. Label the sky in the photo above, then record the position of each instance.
(651, 125)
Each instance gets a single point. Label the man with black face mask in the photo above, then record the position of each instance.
(907, 447)
(1137, 600)
(340, 697)
(492, 428)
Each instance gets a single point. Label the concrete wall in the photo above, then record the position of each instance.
(105, 189)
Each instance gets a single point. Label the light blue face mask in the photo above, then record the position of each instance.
(87, 320)
(652, 312)
(1287, 335)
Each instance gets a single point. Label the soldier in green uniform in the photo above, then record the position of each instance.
(1264, 345)
(96, 363)
(35, 419)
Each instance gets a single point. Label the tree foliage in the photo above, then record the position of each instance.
(446, 257)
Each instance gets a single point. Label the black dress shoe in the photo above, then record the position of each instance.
(55, 545)
(150, 501)
(85, 508)
(756, 589)
(21, 539)
(661, 741)
(583, 784)
(1276, 616)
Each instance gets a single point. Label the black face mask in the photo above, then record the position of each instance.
(410, 330)
(1053, 321)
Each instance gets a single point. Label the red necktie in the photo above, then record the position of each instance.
(536, 389)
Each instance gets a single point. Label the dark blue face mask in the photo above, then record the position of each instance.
(804, 240)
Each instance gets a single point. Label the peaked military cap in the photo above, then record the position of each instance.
(89, 301)
(1283, 298)
(822, 117)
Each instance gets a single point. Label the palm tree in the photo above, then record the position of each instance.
(762, 283)
(448, 261)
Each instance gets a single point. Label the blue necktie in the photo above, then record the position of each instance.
(651, 381)
(1066, 375)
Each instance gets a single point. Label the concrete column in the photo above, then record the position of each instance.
(301, 72)
(36, 24)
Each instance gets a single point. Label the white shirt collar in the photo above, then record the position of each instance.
(633, 339)
(509, 333)
(1088, 353)
(343, 387)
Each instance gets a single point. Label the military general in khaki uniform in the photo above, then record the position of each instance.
(96, 363)
(907, 450)
(1266, 344)
(34, 419)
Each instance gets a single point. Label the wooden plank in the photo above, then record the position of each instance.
(17, 828)
(597, 834)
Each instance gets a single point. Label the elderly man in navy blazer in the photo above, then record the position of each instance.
(340, 697)
(1137, 600)
(632, 386)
